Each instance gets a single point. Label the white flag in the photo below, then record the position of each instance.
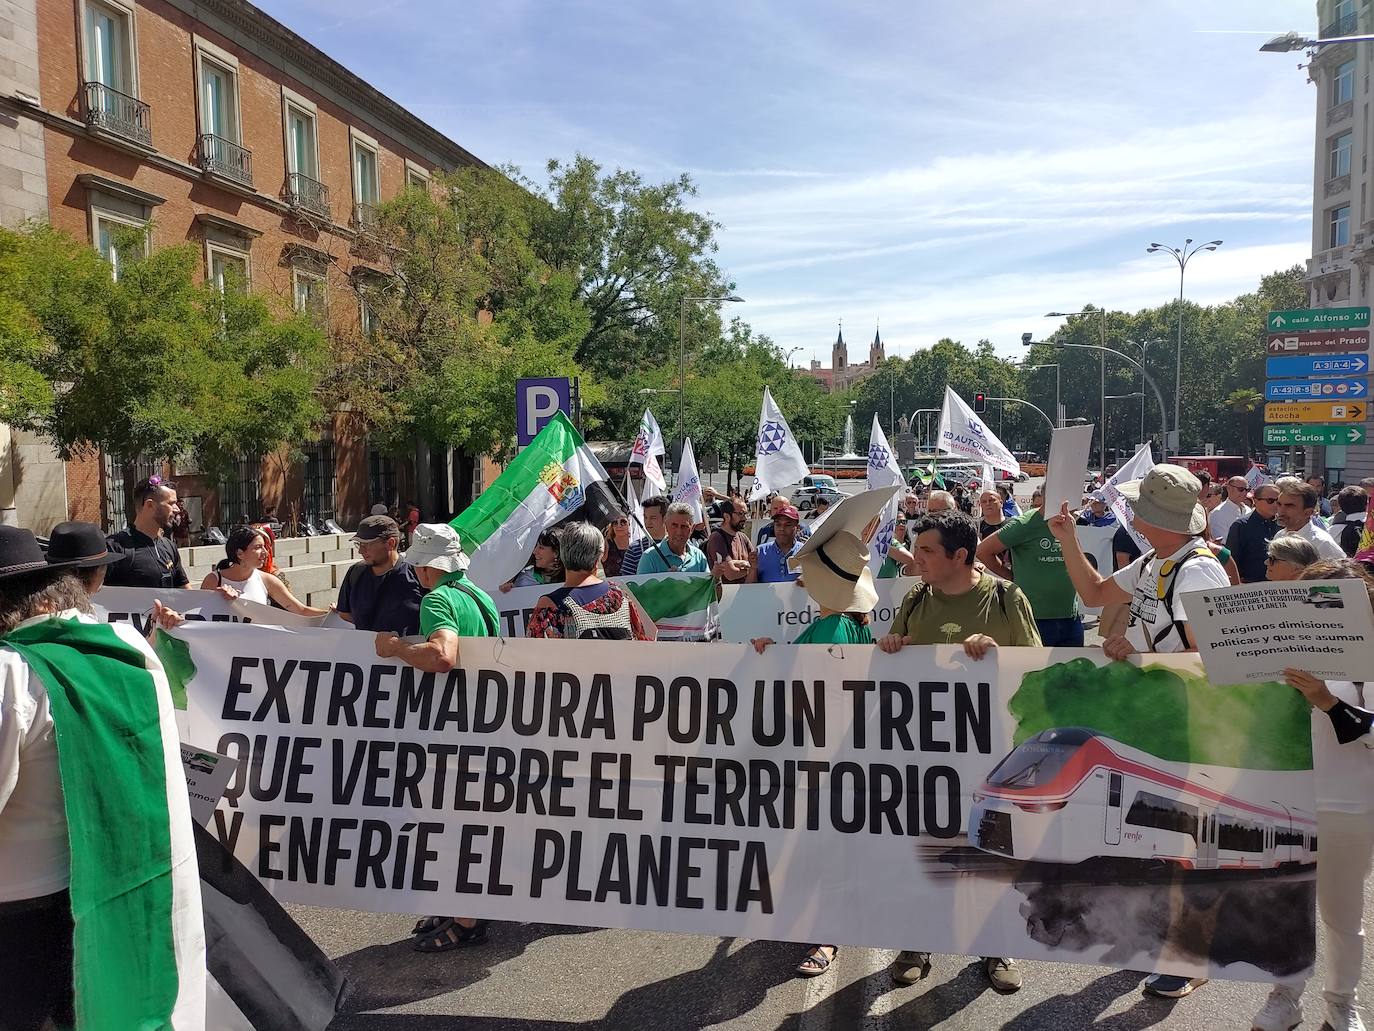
(883, 471)
(1257, 477)
(688, 489)
(647, 447)
(778, 460)
(1136, 469)
(964, 434)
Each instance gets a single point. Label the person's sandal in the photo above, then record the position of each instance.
(428, 924)
(816, 961)
(451, 935)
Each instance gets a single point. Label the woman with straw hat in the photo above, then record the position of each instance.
(834, 570)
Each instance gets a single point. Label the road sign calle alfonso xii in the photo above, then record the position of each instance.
(1301, 319)
(1312, 436)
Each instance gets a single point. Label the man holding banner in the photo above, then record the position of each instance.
(454, 607)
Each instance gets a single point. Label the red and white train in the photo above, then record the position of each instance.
(1070, 795)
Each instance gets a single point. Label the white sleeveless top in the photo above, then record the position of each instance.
(254, 589)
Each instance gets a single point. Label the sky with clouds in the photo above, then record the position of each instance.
(942, 169)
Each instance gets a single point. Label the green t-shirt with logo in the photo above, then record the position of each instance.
(993, 607)
(1037, 564)
(452, 608)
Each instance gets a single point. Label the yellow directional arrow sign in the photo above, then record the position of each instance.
(1315, 411)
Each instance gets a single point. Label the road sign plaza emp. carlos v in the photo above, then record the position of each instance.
(1317, 318)
(1278, 436)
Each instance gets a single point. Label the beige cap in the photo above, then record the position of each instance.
(1167, 498)
(436, 545)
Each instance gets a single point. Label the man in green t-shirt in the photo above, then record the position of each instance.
(956, 602)
(1037, 567)
(455, 607)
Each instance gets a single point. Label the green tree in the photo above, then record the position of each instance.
(1245, 402)
(155, 363)
(467, 307)
(635, 250)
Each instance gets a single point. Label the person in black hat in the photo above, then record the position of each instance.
(382, 592)
(83, 548)
(151, 558)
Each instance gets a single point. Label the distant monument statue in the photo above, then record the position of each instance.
(904, 425)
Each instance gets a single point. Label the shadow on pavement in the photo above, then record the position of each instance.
(1084, 1007)
(383, 976)
(727, 986)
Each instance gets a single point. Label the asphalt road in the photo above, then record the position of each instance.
(532, 977)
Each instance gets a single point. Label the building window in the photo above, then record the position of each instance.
(416, 177)
(367, 318)
(238, 494)
(1340, 156)
(1344, 12)
(110, 51)
(308, 291)
(302, 153)
(1343, 87)
(366, 189)
(219, 100)
(1338, 234)
(381, 479)
(119, 239)
(228, 269)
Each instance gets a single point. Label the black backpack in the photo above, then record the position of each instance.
(580, 624)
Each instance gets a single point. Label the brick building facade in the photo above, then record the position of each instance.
(842, 374)
(216, 125)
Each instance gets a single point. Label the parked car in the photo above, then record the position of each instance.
(811, 485)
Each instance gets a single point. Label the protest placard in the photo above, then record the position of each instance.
(1076, 811)
(135, 604)
(1253, 632)
(207, 775)
(1068, 466)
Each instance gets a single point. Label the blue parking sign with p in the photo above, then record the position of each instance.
(536, 401)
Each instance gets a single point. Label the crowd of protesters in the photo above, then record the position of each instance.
(1000, 578)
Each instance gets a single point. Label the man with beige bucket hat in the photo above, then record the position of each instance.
(1167, 513)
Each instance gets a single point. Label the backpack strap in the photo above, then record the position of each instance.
(1165, 592)
(493, 628)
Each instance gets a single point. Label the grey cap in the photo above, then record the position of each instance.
(375, 527)
(1167, 498)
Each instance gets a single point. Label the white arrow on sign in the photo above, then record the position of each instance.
(1357, 388)
(1360, 363)
(1278, 322)
(1354, 434)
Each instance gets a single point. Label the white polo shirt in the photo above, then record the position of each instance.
(1321, 540)
(1148, 613)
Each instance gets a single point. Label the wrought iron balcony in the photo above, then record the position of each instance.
(307, 194)
(117, 113)
(1347, 25)
(365, 217)
(226, 159)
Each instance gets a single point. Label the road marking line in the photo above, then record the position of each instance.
(862, 964)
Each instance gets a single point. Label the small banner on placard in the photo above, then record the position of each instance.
(783, 611)
(1038, 803)
(135, 605)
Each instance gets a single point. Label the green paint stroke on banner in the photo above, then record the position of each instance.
(175, 655)
(1178, 717)
(674, 595)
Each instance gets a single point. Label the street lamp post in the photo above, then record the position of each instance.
(1296, 41)
(1102, 372)
(682, 349)
(1163, 413)
(1182, 255)
(1058, 418)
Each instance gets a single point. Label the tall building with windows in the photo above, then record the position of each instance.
(207, 121)
(1339, 271)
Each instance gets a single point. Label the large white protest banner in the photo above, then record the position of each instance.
(1042, 804)
(680, 605)
(782, 611)
(1253, 632)
(134, 604)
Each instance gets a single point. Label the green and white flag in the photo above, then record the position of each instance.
(548, 481)
(139, 943)
(680, 604)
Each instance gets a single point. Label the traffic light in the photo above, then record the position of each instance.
(980, 403)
